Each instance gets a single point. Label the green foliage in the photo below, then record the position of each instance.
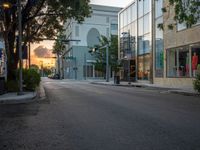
(160, 26)
(186, 11)
(196, 83)
(35, 67)
(164, 9)
(41, 19)
(170, 27)
(100, 54)
(46, 71)
(12, 86)
(31, 79)
(59, 46)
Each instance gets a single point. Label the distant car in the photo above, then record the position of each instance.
(53, 76)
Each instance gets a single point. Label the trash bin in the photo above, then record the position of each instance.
(2, 85)
(116, 80)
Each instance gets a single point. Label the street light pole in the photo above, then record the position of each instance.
(107, 60)
(20, 47)
(129, 61)
(107, 64)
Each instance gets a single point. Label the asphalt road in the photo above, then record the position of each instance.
(83, 116)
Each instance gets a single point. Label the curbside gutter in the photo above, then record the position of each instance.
(170, 90)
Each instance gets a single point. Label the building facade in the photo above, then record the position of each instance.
(78, 62)
(150, 51)
(181, 52)
(135, 36)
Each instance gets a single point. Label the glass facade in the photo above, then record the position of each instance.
(135, 39)
(159, 44)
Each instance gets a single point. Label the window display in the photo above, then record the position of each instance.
(178, 62)
(183, 61)
(195, 59)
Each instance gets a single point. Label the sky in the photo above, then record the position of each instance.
(49, 44)
(119, 3)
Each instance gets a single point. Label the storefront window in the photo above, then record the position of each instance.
(178, 62)
(140, 45)
(195, 60)
(159, 52)
(146, 67)
(146, 43)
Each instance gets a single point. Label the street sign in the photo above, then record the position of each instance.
(70, 57)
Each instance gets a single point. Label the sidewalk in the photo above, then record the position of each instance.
(189, 91)
(27, 97)
(13, 98)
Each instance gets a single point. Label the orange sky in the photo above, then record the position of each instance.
(46, 62)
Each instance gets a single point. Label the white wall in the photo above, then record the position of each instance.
(101, 19)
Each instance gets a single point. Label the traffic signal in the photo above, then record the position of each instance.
(92, 50)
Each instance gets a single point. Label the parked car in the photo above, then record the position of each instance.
(53, 76)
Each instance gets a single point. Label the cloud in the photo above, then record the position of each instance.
(42, 52)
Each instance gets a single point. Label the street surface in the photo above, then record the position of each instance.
(82, 116)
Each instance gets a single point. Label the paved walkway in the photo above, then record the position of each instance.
(179, 90)
(14, 98)
(27, 97)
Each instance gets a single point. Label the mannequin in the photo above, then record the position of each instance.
(194, 63)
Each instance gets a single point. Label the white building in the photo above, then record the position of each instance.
(78, 62)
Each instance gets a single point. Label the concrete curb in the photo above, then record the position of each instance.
(22, 100)
(41, 95)
(170, 90)
(28, 97)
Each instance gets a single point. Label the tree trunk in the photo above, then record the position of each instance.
(58, 61)
(12, 56)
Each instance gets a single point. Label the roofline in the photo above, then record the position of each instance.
(127, 6)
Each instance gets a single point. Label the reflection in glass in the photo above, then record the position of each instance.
(140, 26)
(159, 50)
(147, 6)
(134, 12)
(140, 8)
(147, 24)
(129, 15)
(178, 62)
(158, 8)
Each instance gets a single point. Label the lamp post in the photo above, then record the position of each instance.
(107, 60)
(107, 64)
(127, 56)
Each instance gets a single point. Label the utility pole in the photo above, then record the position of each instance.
(20, 47)
(107, 60)
(107, 64)
(85, 63)
(129, 61)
